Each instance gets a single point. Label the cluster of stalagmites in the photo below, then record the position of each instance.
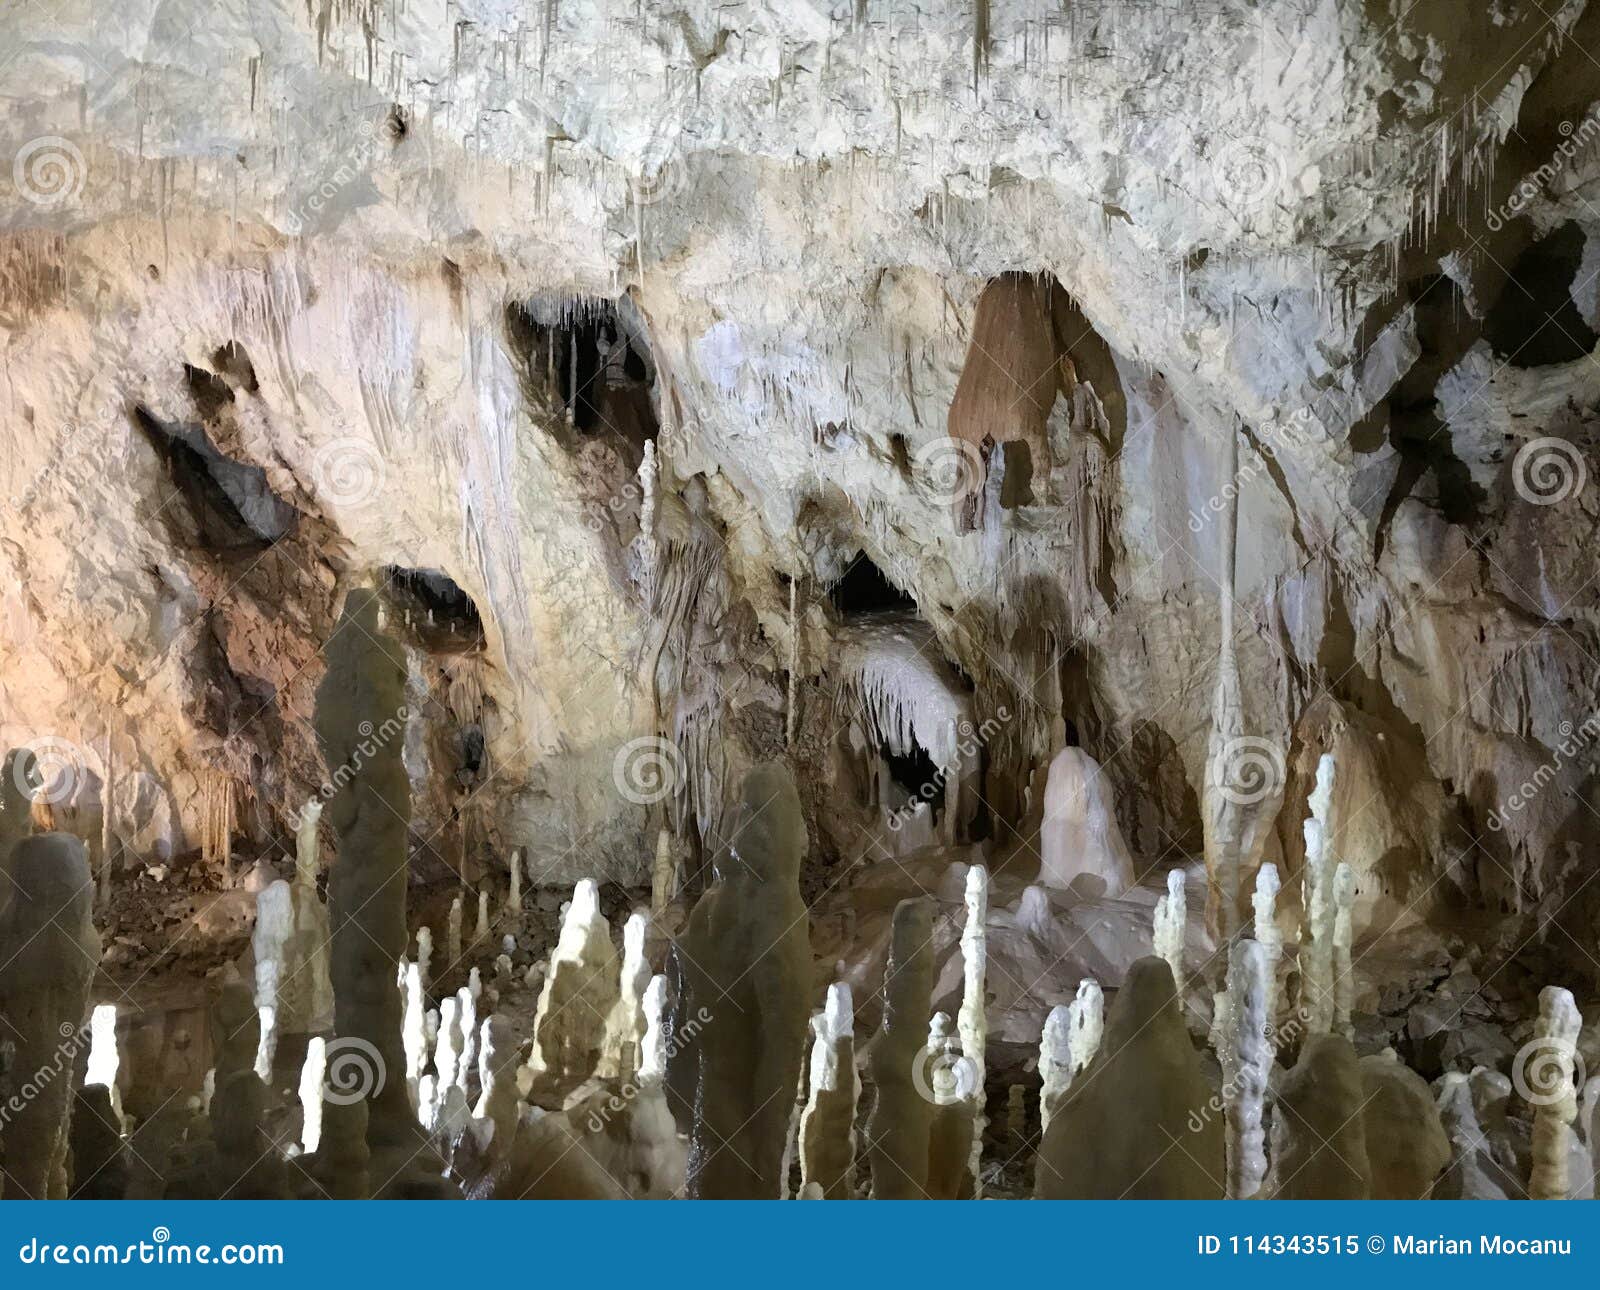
(698, 1080)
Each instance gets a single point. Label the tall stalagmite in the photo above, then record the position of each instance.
(747, 962)
(902, 1114)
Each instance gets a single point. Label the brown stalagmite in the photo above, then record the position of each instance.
(1138, 1122)
(48, 954)
(902, 1116)
(1319, 1140)
(360, 721)
(247, 1164)
(1407, 1149)
(746, 960)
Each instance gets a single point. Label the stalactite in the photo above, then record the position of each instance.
(791, 714)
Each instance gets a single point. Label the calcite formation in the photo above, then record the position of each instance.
(901, 1118)
(1319, 1137)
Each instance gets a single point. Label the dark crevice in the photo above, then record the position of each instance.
(1535, 322)
(230, 502)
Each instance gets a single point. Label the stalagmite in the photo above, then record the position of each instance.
(1407, 1149)
(1319, 1140)
(360, 718)
(270, 941)
(1246, 1067)
(1079, 841)
(971, 1021)
(663, 874)
(305, 844)
(425, 955)
(452, 937)
(246, 1164)
(514, 894)
(50, 953)
(480, 932)
(746, 962)
(619, 1054)
(828, 1124)
(1087, 1015)
(901, 1121)
(1316, 954)
(413, 1037)
(497, 1059)
(1265, 907)
(104, 1058)
(467, 1017)
(1473, 1173)
(1545, 1067)
(1055, 1063)
(1171, 922)
(949, 1080)
(1112, 1136)
(579, 991)
(1344, 981)
(312, 1074)
(108, 824)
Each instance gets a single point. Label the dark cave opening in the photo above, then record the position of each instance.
(231, 503)
(1536, 322)
(592, 356)
(864, 589)
(434, 609)
(915, 772)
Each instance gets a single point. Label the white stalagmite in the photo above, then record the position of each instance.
(1246, 1067)
(312, 1073)
(270, 943)
(467, 1019)
(414, 1029)
(1055, 1062)
(664, 874)
(1265, 906)
(1344, 982)
(648, 550)
(943, 1060)
(791, 716)
(653, 1048)
(619, 1057)
(305, 844)
(1316, 970)
(514, 897)
(425, 955)
(1172, 918)
(1079, 838)
(104, 1059)
(971, 1021)
(830, 1029)
(449, 1110)
(480, 932)
(452, 936)
(497, 1097)
(1545, 1079)
(1088, 1016)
